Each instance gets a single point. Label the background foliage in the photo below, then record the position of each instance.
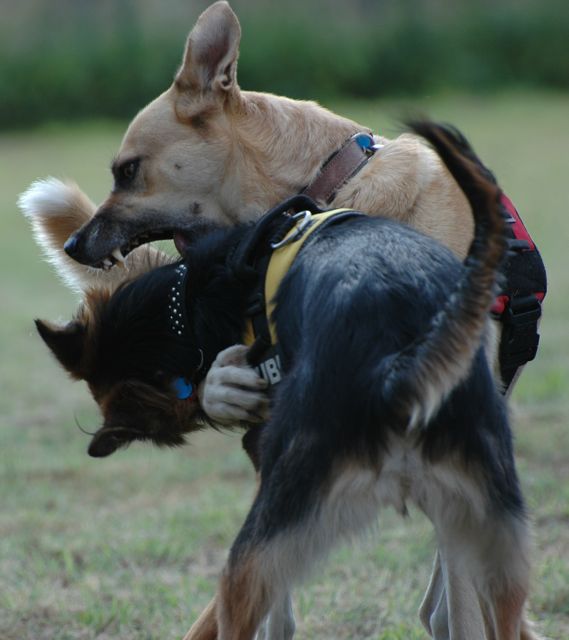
(72, 59)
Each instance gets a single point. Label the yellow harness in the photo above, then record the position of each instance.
(282, 257)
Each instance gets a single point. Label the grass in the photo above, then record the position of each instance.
(130, 547)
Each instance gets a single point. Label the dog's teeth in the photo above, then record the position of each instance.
(118, 256)
(107, 264)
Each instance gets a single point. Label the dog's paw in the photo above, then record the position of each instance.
(48, 197)
(232, 390)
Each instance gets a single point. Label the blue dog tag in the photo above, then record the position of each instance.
(183, 388)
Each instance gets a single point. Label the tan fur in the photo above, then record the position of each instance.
(244, 599)
(262, 148)
(208, 149)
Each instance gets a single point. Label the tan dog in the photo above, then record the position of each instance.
(206, 151)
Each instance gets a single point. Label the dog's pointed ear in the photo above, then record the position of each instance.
(212, 49)
(67, 343)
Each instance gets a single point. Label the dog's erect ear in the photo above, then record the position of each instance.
(212, 49)
(66, 343)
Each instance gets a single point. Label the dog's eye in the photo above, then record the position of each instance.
(126, 172)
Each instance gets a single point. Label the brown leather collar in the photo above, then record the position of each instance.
(340, 167)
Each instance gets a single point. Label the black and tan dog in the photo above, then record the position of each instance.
(387, 397)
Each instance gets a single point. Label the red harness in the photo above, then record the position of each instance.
(520, 234)
(518, 307)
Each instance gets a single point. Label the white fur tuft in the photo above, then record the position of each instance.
(55, 209)
(46, 197)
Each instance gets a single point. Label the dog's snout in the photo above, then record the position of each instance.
(71, 246)
(76, 247)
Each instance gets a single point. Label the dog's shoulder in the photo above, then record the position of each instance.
(374, 252)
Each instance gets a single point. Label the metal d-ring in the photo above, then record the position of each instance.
(304, 219)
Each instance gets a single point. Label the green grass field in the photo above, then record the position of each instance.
(131, 546)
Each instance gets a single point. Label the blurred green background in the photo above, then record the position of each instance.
(131, 547)
(80, 58)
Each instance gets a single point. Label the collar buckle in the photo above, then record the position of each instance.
(302, 219)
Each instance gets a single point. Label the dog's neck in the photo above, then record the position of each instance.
(282, 146)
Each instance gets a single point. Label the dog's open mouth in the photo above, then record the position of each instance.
(182, 237)
(118, 254)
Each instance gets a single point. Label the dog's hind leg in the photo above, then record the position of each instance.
(433, 612)
(278, 625)
(298, 515)
(486, 586)
(479, 590)
(257, 576)
(447, 589)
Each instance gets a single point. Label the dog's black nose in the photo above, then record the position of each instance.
(71, 245)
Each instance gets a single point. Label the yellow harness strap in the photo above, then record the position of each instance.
(279, 264)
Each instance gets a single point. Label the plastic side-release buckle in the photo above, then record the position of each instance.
(520, 338)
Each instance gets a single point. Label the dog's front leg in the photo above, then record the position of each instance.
(434, 611)
(280, 623)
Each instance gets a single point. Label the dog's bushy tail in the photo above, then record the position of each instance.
(55, 210)
(424, 373)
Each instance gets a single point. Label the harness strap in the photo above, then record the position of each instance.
(283, 256)
(341, 166)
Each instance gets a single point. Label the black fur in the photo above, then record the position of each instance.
(349, 303)
(133, 336)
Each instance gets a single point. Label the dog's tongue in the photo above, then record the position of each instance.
(181, 242)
